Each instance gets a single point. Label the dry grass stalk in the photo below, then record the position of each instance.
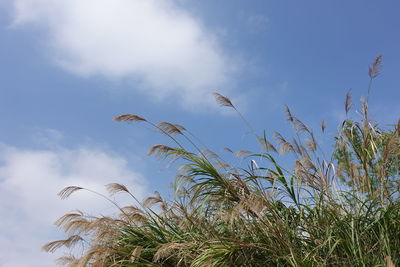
(136, 253)
(389, 262)
(298, 148)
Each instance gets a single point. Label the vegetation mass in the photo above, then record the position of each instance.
(340, 210)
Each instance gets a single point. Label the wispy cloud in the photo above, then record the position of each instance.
(29, 181)
(154, 42)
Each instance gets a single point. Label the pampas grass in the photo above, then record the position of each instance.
(344, 211)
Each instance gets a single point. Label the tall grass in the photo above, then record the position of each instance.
(337, 211)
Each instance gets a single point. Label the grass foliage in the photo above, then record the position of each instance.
(338, 211)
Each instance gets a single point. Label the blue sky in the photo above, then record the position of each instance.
(69, 67)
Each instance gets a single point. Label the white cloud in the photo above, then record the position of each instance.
(154, 42)
(29, 181)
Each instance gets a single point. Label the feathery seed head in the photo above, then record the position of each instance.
(67, 191)
(170, 128)
(128, 118)
(375, 69)
(114, 188)
(223, 101)
(348, 103)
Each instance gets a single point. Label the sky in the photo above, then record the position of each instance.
(69, 66)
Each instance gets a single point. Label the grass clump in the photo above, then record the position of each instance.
(341, 211)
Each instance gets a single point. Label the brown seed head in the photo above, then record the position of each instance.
(53, 246)
(128, 118)
(242, 153)
(170, 128)
(114, 188)
(375, 69)
(160, 150)
(223, 101)
(67, 191)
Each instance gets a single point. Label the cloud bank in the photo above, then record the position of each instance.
(29, 182)
(154, 42)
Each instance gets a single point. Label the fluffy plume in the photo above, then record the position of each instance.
(286, 147)
(242, 153)
(53, 246)
(134, 214)
(69, 217)
(131, 209)
(267, 146)
(160, 150)
(223, 101)
(153, 200)
(114, 188)
(128, 117)
(279, 138)
(180, 127)
(170, 128)
(375, 69)
(67, 191)
(312, 143)
(300, 126)
(209, 154)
